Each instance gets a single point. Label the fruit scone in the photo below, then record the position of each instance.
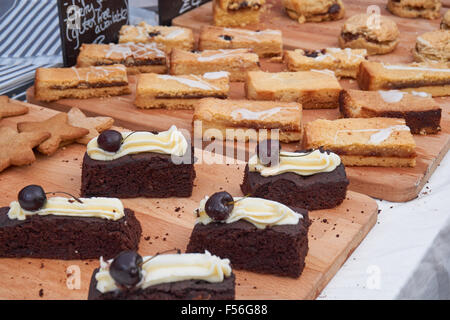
(265, 43)
(421, 113)
(445, 23)
(66, 228)
(249, 120)
(433, 46)
(237, 13)
(168, 37)
(314, 10)
(431, 78)
(137, 57)
(80, 83)
(344, 62)
(428, 9)
(179, 92)
(315, 89)
(235, 61)
(380, 142)
(179, 276)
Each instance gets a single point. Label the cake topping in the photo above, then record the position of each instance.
(110, 140)
(379, 134)
(125, 269)
(393, 96)
(32, 197)
(164, 268)
(219, 206)
(268, 152)
(168, 142)
(216, 75)
(301, 163)
(416, 68)
(197, 82)
(245, 114)
(261, 213)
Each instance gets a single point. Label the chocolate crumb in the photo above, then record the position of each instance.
(177, 209)
(147, 238)
(41, 293)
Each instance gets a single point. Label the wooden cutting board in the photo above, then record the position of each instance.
(167, 223)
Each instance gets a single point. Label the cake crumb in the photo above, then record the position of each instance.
(147, 238)
(177, 209)
(41, 293)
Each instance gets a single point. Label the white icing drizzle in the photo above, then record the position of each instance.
(250, 35)
(246, 114)
(136, 50)
(197, 83)
(420, 94)
(398, 67)
(324, 71)
(379, 136)
(174, 34)
(216, 75)
(223, 54)
(98, 71)
(391, 96)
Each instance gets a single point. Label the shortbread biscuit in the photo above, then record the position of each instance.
(430, 78)
(421, 113)
(433, 46)
(428, 9)
(81, 83)
(344, 62)
(375, 33)
(314, 10)
(315, 89)
(137, 57)
(9, 109)
(179, 92)
(261, 117)
(237, 13)
(16, 149)
(95, 125)
(237, 62)
(384, 142)
(60, 132)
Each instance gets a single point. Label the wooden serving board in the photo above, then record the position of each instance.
(167, 224)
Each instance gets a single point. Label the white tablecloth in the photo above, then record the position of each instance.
(407, 253)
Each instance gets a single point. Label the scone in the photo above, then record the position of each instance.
(428, 9)
(445, 23)
(344, 62)
(248, 120)
(433, 46)
(375, 33)
(314, 10)
(237, 13)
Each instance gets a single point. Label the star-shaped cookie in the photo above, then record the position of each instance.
(16, 149)
(95, 125)
(8, 109)
(60, 129)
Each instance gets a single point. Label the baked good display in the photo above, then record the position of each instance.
(433, 46)
(315, 89)
(61, 132)
(421, 113)
(95, 125)
(249, 120)
(16, 149)
(138, 164)
(428, 9)
(179, 92)
(137, 57)
(343, 62)
(431, 78)
(8, 109)
(314, 10)
(80, 83)
(256, 234)
(265, 43)
(182, 276)
(237, 13)
(66, 228)
(445, 23)
(167, 37)
(381, 142)
(237, 62)
(310, 179)
(377, 34)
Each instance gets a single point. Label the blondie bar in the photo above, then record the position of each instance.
(237, 13)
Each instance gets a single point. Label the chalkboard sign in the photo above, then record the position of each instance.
(89, 21)
(169, 9)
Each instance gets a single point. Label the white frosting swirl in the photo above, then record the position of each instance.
(105, 208)
(260, 212)
(168, 142)
(168, 268)
(304, 164)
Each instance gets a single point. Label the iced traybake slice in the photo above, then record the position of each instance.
(66, 228)
(237, 13)
(237, 62)
(344, 62)
(179, 92)
(430, 78)
(421, 113)
(315, 89)
(168, 37)
(381, 142)
(314, 10)
(249, 120)
(80, 83)
(265, 43)
(137, 57)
